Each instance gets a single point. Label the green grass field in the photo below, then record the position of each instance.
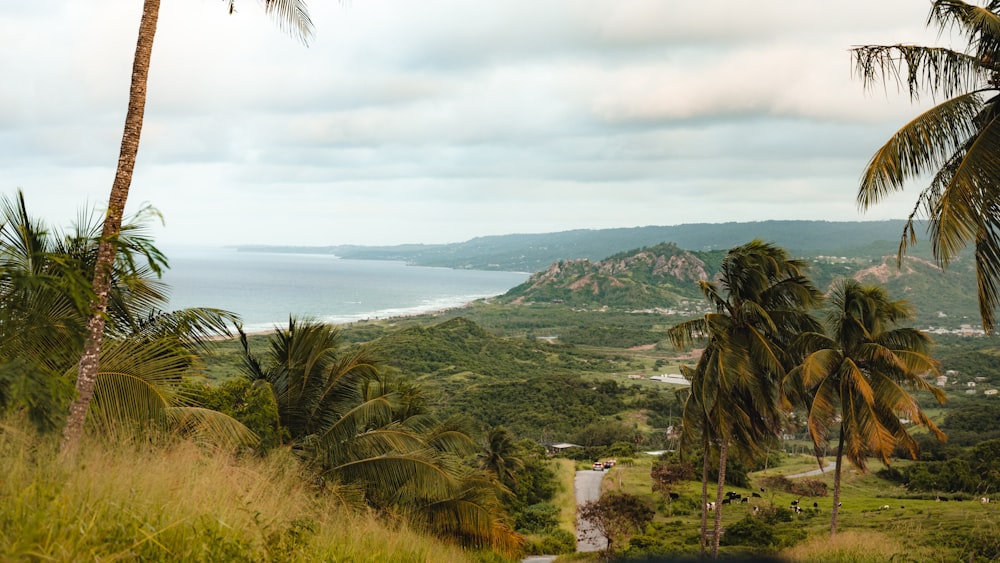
(910, 529)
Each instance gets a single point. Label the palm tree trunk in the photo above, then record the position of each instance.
(836, 482)
(723, 451)
(704, 496)
(87, 373)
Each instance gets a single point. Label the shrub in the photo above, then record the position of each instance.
(537, 518)
(555, 542)
(749, 531)
(800, 487)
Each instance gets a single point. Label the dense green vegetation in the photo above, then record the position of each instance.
(470, 393)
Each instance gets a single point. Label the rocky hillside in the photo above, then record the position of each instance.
(664, 277)
(658, 276)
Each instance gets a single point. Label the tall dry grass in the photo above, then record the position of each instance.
(184, 503)
(565, 497)
(850, 546)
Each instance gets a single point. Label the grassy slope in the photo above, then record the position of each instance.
(183, 504)
(911, 529)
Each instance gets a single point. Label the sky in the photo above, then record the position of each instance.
(437, 121)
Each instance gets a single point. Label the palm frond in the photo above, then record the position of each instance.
(925, 143)
(291, 16)
(979, 24)
(207, 426)
(942, 72)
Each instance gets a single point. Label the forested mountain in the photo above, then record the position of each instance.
(534, 252)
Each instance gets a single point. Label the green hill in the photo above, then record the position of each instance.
(656, 277)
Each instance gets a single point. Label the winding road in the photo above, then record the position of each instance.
(587, 486)
(829, 467)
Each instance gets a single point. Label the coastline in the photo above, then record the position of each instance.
(258, 330)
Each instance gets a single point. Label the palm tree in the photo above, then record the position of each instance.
(856, 378)
(44, 296)
(501, 456)
(292, 16)
(353, 425)
(956, 142)
(763, 302)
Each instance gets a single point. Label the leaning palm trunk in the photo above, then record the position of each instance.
(87, 374)
(723, 450)
(836, 483)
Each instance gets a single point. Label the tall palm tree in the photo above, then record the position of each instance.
(291, 16)
(956, 142)
(855, 378)
(349, 422)
(760, 303)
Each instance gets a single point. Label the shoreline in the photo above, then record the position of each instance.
(257, 330)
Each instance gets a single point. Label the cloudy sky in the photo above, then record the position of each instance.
(441, 120)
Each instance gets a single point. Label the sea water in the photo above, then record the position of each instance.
(265, 288)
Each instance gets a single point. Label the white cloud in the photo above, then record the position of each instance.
(443, 120)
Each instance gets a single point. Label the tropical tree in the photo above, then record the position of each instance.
(44, 298)
(501, 456)
(760, 303)
(361, 431)
(291, 16)
(855, 378)
(616, 517)
(955, 143)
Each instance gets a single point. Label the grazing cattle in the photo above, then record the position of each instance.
(795, 502)
(756, 509)
(675, 496)
(755, 495)
(815, 505)
(710, 506)
(726, 501)
(985, 500)
(884, 507)
(744, 500)
(797, 509)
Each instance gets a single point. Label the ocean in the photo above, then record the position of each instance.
(265, 288)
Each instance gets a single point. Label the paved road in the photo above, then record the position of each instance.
(588, 488)
(829, 467)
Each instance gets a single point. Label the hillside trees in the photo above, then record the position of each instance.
(760, 303)
(44, 300)
(292, 16)
(855, 378)
(955, 142)
(363, 432)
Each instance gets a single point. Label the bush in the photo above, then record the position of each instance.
(555, 542)
(537, 518)
(800, 487)
(749, 531)
(808, 488)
